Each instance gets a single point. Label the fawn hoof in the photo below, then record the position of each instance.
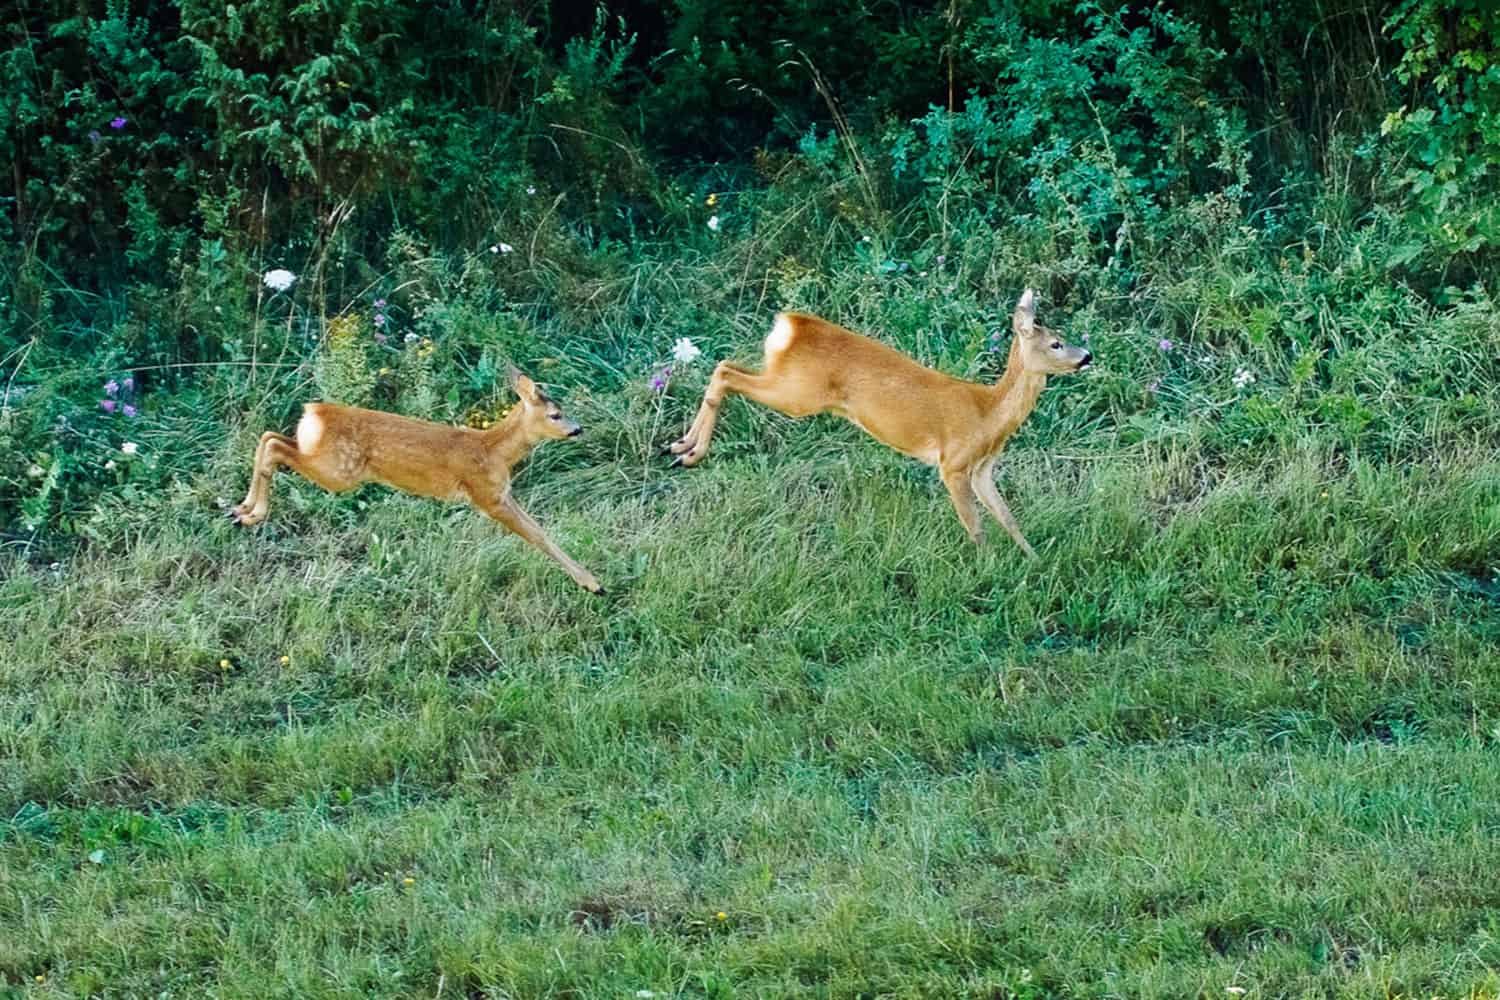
(245, 518)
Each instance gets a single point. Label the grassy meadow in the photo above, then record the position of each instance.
(1238, 727)
(1235, 734)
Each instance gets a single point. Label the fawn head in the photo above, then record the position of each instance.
(1043, 350)
(541, 417)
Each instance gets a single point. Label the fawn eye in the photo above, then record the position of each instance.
(1056, 344)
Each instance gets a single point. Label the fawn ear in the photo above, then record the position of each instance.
(524, 387)
(1024, 319)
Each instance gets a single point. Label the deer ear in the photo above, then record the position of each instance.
(1024, 319)
(524, 387)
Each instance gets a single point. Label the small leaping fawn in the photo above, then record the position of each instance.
(339, 447)
(812, 366)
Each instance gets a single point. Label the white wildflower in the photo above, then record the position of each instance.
(35, 472)
(685, 351)
(411, 338)
(713, 223)
(644, 994)
(531, 189)
(279, 280)
(1238, 991)
(130, 447)
(1243, 377)
(109, 466)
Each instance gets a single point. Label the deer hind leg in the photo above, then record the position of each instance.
(779, 392)
(989, 495)
(509, 513)
(277, 450)
(961, 492)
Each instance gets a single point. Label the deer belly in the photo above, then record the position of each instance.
(924, 451)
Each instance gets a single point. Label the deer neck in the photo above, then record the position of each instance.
(507, 442)
(1016, 393)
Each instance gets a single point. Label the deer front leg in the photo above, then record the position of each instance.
(984, 485)
(509, 513)
(962, 493)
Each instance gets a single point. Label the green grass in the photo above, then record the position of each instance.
(1239, 726)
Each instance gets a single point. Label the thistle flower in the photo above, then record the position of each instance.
(659, 380)
(128, 410)
(279, 280)
(380, 303)
(107, 405)
(129, 384)
(380, 319)
(1164, 345)
(111, 387)
(685, 351)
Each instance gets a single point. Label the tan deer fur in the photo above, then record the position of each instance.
(812, 366)
(339, 447)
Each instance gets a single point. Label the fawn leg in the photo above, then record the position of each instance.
(509, 513)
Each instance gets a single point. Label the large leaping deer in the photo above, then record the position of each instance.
(339, 447)
(812, 366)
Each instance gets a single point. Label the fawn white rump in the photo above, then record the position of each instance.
(339, 447)
(813, 366)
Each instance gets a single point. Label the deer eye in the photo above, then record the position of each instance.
(1056, 344)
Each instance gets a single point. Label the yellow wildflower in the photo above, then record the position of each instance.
(224, 664)
(285, 660)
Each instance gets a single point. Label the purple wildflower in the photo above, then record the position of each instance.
(381, 338)
(380, 303)
(111, 387)
(1164, 345)
(129, 384)
(128, 410)
(107, 405)
(659, 380)
(117, 123)
(380, 319)
(941, 258)
(1153, 385)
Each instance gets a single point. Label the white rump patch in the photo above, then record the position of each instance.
(309, 432)
(780, 337)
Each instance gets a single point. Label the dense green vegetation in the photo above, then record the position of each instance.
(1238, 728)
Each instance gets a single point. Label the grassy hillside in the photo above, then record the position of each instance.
(1235, 733)
(1237, 727)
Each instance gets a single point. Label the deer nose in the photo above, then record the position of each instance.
(1087, 360)
(575, 432)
